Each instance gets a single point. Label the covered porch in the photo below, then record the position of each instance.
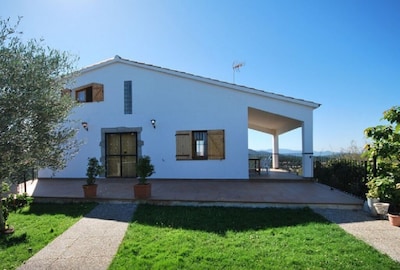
(276, 125)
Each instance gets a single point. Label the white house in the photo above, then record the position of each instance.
(192, 127)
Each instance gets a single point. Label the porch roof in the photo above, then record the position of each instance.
(270, 123)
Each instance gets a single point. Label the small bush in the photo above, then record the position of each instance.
(13, 202)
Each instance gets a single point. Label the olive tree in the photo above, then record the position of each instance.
(33, 110)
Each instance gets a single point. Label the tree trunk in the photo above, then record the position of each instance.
(2, 221)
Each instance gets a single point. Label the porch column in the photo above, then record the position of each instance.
(275, 151)
(307, 142)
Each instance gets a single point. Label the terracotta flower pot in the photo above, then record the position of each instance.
(90, 191)
(7, 230)
(394, 219)
(142, 191)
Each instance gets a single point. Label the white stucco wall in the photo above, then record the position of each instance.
(176, 103)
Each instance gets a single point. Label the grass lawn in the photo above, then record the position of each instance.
(35, 226)
(166, 237)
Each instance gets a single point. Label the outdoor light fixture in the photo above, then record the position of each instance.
(153, 122)
(85, 126)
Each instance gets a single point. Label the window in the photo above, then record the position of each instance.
(192, 145)
(199, 144)
(84, 95)
(128, 97)
(90, 93)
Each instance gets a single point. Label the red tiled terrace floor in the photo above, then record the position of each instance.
(274, 190)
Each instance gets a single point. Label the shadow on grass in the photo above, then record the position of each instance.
(12, 240)
(222, 219)
(67, 209)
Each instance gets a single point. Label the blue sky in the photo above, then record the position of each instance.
(343, 54)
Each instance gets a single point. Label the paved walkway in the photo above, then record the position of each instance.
(377, 233)
(90, 244)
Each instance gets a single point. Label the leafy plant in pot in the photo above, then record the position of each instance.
(144, 169)
(382, 187)
(94, 169)
(394, 210)
(372, 196)
(388, 190)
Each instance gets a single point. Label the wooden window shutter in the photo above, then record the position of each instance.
(216, 144)
(183, 145)
(98, 92)
(66, 92)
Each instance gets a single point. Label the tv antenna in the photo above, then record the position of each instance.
(236, 68)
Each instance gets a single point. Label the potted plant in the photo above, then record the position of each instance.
(94, 169)
(394, 210)
(372, 196)
(144, 169)
(386, 188)
(394, 219)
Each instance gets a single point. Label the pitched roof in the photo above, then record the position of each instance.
(118, 59)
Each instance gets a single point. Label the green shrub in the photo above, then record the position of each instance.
(13, 202)
(144, 169)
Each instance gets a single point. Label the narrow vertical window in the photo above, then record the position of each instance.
(128, 97)
(200, 144)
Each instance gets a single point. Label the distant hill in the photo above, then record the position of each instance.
(259, 152)
(288, 152)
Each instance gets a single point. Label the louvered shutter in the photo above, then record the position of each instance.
(98, 92)
(183, 145)
(66, 92)
(216, 144)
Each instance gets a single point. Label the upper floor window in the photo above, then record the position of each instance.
(90, 93)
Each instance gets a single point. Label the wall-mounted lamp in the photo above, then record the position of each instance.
(85, 126)
(153, 122)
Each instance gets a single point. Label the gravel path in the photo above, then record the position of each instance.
(375, 232)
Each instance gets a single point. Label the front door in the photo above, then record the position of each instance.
(121, 154)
